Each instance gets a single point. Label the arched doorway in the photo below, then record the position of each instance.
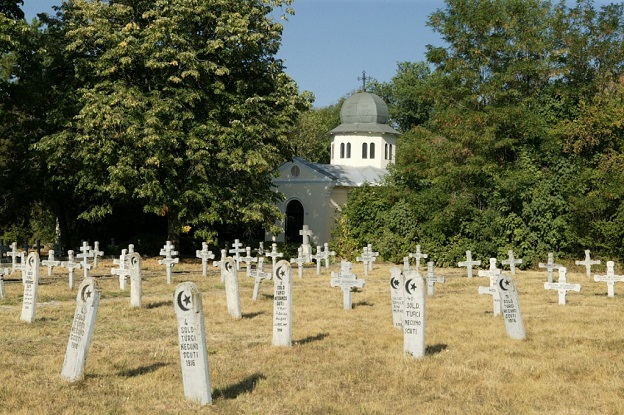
(294, 221)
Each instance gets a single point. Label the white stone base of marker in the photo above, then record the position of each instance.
(231, 288)
(282, 304)
(396, 296)
(31, 286)
(87, 302)
(496, 304)
(562, 286)
(189, 311)
(414, 316)
(136, 290)
(510, 307)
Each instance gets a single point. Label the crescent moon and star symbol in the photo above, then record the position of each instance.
(279, 273)
(31, 261)
(86, 293)
(184, 303)
(409, 286)
(394, 283)
(504, 284)
(228, 266)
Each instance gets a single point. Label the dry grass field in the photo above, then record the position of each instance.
(341, 362)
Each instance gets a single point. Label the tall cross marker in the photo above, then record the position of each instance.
(85, 254)
(432, 279)
(418, 256)
(550, 266)
(50, 262)
(168, 261)
(469, 263)
(300, 260)
(562, 286)
(363, 78)
(237, 249)
(71, 266)
(588, 263)
(493, 274)
(274, 255)
(205, 255)
(511, 261)
(610, 278)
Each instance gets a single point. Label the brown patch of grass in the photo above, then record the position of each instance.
(341, 362)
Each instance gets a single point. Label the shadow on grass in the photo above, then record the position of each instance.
(252, 315)
(244, 386)
(311, 339)
(141, 370)
(268, 296)
(159, 304)
(362, 304)
(435, 349)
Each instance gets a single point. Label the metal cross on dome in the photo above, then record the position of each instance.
(363, 78)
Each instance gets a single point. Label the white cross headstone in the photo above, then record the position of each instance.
(493, 274)
(414, 315)
(282, 304)
(21, 267)
(550, 266)
(274, 255)
(231, 288)
(124, 268)
(96, 253)
(50, 262)
(168, 251)
(300, 260)
(260, 249)
(259, 277)
(31, 285)
(432, 279)
(136, 288)
(610, 278)
(248, 259)
(469, 263)
(373, 255)
(87, 302)
(588, 262)
(510, 305)
(221, 264)
(406, 264)
(418, 256)
(13, 253)
(346, 281)
(318, 258)
(365, 259)
(85, 254)
(396, 296)
(71, 266)
(307, 249)
(327, 253)
(189, 312)
(205, 255)
(237, 249)
(512, 262)
(562, 286)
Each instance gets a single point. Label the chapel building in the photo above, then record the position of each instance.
(362, 147)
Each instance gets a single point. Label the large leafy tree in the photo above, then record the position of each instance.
(183, 108)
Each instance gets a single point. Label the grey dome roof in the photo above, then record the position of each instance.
(364, 113)
(364, 107)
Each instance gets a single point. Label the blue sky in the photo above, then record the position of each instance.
(328, 43)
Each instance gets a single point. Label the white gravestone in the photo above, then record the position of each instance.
(396, 296)
(406, 264)
(31, 285)
(562, 286)
(610, 278)
(13, 253)
(300, 260)
(87, 302)
(221, 264)
(274, 255)
(231, 288)
(550, 266)
(50, 262)
(414, 316)
(469, 263)
(85, 254)
(432, 279)
(136, 290)
(71, 266)
(365, 259)
(346, 281)
(282, 304)
(259, 277)
(512, 262)
(318, 258)
(327, 253)
(260, 249)
(237, 249)
(124, 268)
(187, 302)
(96, 253)
(22, 266)
(248, 259)
(3, 272)
(418, 256)
(588, 262)
(510, 307)
(307, 249)
(205, 255)
(493, 274)
(374, 256)
(130, 249)
(168, 251)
